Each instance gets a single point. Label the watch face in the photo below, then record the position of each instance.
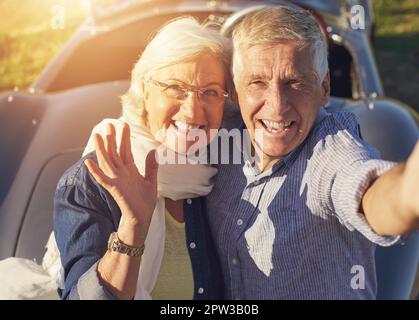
(113, 240)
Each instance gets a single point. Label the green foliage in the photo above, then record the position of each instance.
(27, 40)
(397, 48)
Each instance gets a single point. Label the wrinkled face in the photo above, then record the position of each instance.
(175, 118)
(279, 94)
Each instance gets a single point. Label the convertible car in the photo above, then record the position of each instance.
(44, 131)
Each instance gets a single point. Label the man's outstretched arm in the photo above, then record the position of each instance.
(391, 203)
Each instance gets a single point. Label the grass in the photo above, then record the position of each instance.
(24, 56)
(27, 39)
(397, 48)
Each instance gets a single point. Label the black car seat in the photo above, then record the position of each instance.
(46, 142)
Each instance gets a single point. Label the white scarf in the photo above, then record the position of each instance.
(24, 279)
(180, 181)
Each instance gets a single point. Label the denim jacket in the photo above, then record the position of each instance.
(85, 214)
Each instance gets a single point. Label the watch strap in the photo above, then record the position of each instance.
(116, 245)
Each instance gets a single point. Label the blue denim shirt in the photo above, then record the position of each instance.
(85, 214)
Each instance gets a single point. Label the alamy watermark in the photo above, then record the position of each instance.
(357, 19)
(358, 280)
(225, 147)
(57, 17)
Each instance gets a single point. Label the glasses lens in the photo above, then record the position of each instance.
(175, 91)
(212, 94)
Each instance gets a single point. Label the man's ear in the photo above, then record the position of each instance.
(325, 88)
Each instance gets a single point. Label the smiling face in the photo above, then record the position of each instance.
(280, 95)
(171, 119)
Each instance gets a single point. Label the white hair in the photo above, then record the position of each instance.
(180, 40)
(271, 25)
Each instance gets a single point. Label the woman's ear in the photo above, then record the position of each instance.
(143, 88)
(146, 93)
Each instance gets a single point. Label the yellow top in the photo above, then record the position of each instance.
(175, 279)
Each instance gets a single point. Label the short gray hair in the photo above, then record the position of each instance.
(180, 40)
(271, 25)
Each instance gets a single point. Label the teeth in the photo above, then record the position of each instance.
(184, 126)
(276, 125)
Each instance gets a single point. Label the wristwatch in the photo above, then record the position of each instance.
(114, 244)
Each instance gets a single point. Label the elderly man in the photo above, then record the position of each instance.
(303, 223)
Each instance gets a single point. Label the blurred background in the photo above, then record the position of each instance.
(29, 39)
(28, 42)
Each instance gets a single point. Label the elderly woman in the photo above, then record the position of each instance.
(125, 226)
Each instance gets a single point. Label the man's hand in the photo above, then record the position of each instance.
(391, 204)
(409, 186)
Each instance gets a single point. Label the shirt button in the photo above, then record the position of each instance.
(239, 222)
(189, 201)
(234, 261)
(192, 245)
(201, 290)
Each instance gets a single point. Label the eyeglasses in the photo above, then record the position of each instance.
(211, 94)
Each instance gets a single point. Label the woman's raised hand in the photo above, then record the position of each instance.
(136, 195)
